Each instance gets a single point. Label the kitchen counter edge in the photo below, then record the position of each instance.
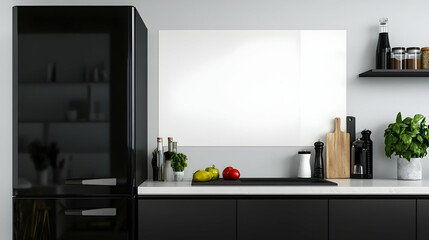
(345, 187)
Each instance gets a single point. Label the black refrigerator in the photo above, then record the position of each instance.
(79, 121)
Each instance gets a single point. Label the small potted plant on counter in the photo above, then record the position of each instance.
(409, 140)
(178, 163)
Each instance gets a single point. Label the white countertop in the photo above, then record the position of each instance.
(345, 187)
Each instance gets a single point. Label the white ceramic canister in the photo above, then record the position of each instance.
(304, 170)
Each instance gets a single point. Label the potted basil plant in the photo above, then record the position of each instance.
(178, 164)
(408, 139)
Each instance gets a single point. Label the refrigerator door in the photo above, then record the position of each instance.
(73, 101)
(83, 219)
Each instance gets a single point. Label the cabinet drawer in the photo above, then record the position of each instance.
(282, 219)
(422, 219)
(161, 219)
(372, 219)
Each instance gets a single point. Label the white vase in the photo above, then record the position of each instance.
(409, 170)
(178, 176)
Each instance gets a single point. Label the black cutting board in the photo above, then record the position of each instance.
(267, 182)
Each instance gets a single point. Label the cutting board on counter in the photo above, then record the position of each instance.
(338, 153)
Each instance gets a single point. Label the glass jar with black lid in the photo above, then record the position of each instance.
(413, 58)
(398, 58)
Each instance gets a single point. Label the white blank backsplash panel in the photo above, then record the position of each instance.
(251, 87)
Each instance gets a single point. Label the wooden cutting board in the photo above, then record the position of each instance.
(338, 153)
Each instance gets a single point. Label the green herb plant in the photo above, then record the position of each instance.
(178, 162)
(407, 138)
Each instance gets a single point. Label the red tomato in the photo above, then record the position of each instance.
(225, 173)
(234, 174)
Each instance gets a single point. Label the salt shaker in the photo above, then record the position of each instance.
(304, 170)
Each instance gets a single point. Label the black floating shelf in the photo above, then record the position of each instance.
(395, 73)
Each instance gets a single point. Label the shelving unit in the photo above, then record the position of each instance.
(395, 73)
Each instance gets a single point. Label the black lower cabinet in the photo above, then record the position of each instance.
(73, 219)
(373, 219)
(190, 219)
(422, 219)
(293, 218)
(282, 219)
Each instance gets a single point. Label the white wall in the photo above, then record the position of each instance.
(374, 102)
(249, 87)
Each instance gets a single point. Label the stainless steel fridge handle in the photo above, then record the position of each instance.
(91, 212)
(92, 181)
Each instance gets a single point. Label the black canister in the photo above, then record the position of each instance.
(319, 171)
(361, 159)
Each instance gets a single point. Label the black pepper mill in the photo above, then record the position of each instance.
(319, 171)
(369, 155)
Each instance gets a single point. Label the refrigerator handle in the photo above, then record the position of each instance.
(92, 181)
(91, 212)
